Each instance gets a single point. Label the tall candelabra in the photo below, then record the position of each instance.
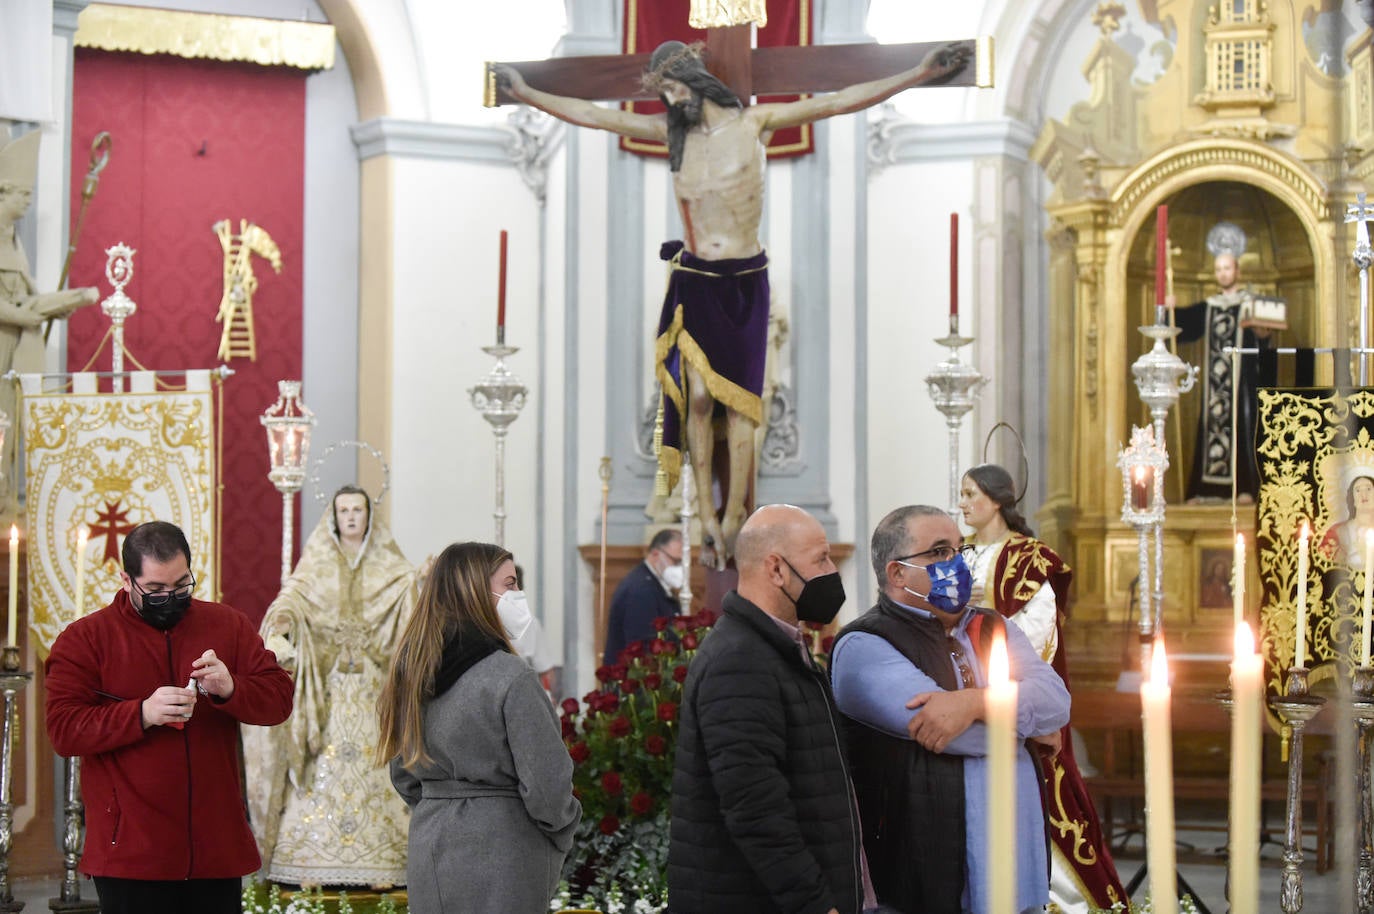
(954, 387)
(1160, 377)
(288, 424)
(12, 680)
(1143, 465)
(499, 397)
(119, 269)
(1361, 213)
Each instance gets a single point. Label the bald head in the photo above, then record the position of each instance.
(779, 548)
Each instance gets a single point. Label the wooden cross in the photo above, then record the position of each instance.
(746, 70)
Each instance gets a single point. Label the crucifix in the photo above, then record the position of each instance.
(713, 329)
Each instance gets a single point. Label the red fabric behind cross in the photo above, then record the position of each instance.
(194, 142)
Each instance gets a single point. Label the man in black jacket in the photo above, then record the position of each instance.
(764, 818)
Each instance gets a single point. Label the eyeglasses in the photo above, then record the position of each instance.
(956, 653)
(940, 553)
(161, 597)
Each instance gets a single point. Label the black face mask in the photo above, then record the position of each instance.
(165, 615)
(821, 597)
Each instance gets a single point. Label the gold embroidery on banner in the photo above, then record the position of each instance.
(269, 42)
(1083, 851)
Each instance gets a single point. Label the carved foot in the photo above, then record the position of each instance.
(734, 520)
(712, 544)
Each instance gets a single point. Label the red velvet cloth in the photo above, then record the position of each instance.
(197, 141)
(649, 23)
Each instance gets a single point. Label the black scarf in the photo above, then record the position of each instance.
(463, 650)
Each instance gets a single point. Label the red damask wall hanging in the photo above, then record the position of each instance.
(195, 142)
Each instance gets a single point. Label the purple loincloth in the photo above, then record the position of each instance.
(715, 315)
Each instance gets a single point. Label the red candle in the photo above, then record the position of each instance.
(1161, 253)
(954, 270)
(501, 295)
(1143, 479)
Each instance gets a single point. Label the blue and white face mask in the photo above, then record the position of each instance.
(951, 583)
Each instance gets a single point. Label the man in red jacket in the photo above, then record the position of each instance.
(166, 829)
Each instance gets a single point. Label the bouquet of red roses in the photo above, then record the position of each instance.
(621, 738)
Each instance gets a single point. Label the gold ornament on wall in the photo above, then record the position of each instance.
(236, 304)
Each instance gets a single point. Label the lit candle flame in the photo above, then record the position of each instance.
(1245, 641)
(999, 671)
(1159, 665)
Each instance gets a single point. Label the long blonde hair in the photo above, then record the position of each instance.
(456, 600)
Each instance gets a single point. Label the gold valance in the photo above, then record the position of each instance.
(269, 42)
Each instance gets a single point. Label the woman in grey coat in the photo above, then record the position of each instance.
(475, 749)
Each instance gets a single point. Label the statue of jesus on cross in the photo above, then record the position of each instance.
(712, 332)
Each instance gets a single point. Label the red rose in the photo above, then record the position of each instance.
(620, 726)
(641, 803)
(607, 702)
(680, 623)
(619, 671)
(655, 745)
(652, 681)
(679, 673)
(689, 642)
(604, 674)
(629, 686)
(570, 706)
(656, 647)
(705, 619)
(610, 782)
(579, 752)
(661, 622)
(634, 649)
(667, 711)
(569, 729)
(609, 825)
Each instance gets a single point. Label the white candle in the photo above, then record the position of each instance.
(1001, 729)
(1155, 716)
(1300, 638)
(1247, 701)
(1238, 578)
(14, 586)
(82, 537)
(1368, 593)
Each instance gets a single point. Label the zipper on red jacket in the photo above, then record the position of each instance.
(186, 745)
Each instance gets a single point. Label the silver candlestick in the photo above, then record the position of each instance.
(12, 680)
(73, 823)
(954, 387)
(499, 397)
(1296, 707)
(119, 269)
(1363, 709)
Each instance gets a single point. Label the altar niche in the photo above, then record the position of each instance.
(1276, 261)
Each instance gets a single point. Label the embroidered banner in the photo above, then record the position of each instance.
(1316, 461)
(649, 23)
(107, 462)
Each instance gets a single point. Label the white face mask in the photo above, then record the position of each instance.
(672, 576)
(514, 610)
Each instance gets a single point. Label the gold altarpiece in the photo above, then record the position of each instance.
(1269, 148)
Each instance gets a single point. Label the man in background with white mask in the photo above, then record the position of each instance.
(647, 593)
(322, 813)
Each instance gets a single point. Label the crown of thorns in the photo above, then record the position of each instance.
(653, 79)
